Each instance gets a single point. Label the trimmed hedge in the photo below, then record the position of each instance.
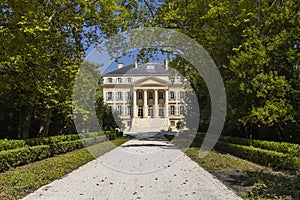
(17, 157)
(264, 157)
(52, 139)
(283, 147)
(6, 144)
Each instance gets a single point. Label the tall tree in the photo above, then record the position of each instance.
(43, 43)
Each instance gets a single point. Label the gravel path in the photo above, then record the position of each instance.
(139, 169)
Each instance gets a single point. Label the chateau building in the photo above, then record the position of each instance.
(148, 97)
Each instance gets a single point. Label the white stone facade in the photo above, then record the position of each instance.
(146, 96)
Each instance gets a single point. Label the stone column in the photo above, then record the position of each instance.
(134, 106)
(156, 112)
(166, 111)
(145, 105)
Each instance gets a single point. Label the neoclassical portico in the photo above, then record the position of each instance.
(150, 103)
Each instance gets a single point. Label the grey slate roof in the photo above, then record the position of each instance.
(142, 69)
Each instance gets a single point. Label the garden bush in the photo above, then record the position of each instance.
(21, 156)
(63, 147)
(264, 157)
(6, 144)
(52, 139)
(111, 134)
(283, 147)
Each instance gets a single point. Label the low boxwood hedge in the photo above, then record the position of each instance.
(52, 139)
(6, 144)
(21, 156)
(264, 157)
(283, 147)
(17, 157)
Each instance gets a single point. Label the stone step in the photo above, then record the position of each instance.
(149, 125)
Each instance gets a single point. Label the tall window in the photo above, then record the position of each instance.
(172, 95)
(181, 110)
(160, 95)
(129, 110)
(128, 95)
(150, 95)
(172, 110)
(119, 110)
(161, 111)
(109, 96)
(140, 95)
(119, 96)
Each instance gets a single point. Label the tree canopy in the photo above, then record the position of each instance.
(254, 43)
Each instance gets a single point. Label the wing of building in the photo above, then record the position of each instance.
(148, 97)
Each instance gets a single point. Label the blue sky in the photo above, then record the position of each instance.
(109, 64)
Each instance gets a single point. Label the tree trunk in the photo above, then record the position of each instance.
(45, 123)
(24, 123)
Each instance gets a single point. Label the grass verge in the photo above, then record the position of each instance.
(19, 182)
(249, 180)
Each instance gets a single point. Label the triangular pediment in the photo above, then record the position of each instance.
(151, 81)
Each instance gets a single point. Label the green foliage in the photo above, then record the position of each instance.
(63, 147)
(21, 156)
(264, 157)
(43, 46)
(6, 144)
(52, 139)
(51, 146)
(283, 147)
(111, 135)
(16, 157)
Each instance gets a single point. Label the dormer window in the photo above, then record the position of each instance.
(109, 80)
(129, 80)
(119, 80)
(150, 67)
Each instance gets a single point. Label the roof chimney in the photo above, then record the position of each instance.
(166, 64)
(120, 65)
(135, 64)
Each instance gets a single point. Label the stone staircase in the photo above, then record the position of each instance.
(149, 125)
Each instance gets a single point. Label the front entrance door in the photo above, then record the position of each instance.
(150, 111)
(161, 111)
(140, 112)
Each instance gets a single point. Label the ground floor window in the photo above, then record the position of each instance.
(172, 123)
(140, 112)
(150, 111)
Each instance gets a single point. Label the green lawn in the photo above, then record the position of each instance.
(249, 180)
(19, 182)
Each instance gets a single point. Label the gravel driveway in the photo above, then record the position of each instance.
(139, 169)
